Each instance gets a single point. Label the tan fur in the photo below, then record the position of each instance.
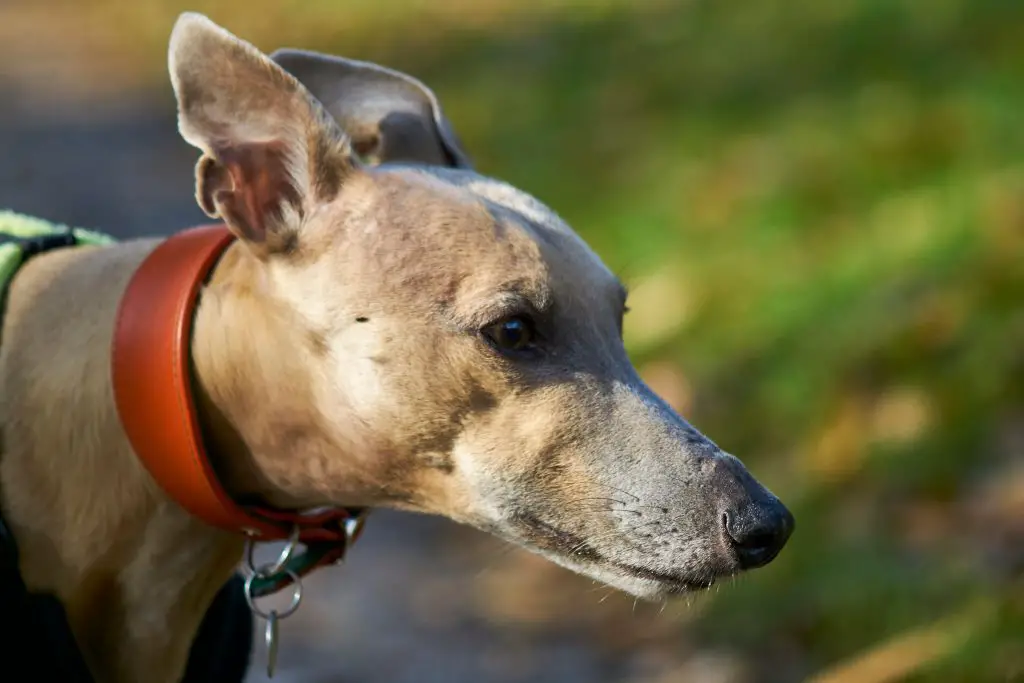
(339, 360)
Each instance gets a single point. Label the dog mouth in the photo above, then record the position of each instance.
(672, 583)
(539, 534)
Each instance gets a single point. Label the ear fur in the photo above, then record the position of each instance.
(388, 115)
(270, 150)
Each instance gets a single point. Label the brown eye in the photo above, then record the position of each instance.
(510, 334)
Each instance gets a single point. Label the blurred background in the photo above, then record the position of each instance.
(819, 207)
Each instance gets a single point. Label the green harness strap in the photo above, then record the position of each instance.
(22, 237)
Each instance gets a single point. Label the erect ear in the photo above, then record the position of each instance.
(270, 151)
(389, 115)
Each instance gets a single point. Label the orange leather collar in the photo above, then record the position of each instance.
(152, 381)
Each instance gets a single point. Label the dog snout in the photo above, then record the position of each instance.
(757, 530)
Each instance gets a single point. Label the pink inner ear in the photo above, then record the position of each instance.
(260, 186)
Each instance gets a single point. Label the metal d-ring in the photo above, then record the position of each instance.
(269, 569)
(353, 525)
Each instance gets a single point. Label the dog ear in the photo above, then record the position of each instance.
(270, 150)
(389, 115)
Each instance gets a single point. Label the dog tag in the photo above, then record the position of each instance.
(270, 636)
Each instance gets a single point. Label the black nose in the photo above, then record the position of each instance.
(758, 531)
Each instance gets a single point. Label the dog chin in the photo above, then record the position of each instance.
(636, 580)
(649, 586)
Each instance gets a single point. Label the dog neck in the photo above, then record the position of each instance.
(257, 373)
(135, 571)
(242, 351)
(227, 396)
(245, 348)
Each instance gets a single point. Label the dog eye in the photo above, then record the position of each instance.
(510, 334)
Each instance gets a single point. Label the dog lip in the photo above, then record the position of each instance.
(674, 582)
(551, 538)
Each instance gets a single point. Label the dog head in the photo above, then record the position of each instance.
(423, 337)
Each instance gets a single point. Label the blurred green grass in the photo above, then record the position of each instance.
(820, 210)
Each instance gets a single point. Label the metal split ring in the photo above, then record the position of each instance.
(288, 611)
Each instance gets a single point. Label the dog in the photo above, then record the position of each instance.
(381, 327)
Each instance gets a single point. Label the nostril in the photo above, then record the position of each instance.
(761, 538)
(758, 532)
